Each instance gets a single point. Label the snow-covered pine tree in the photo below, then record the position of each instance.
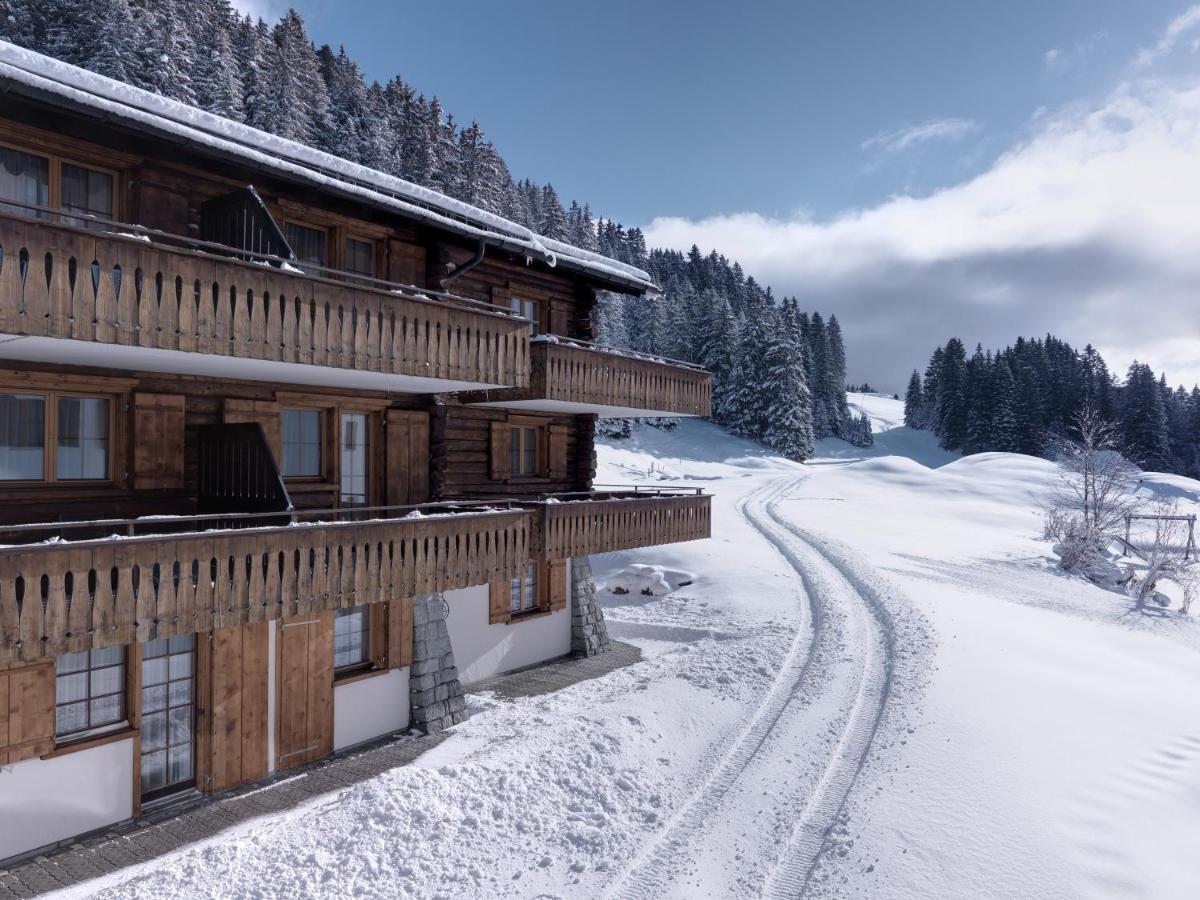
(952, 396)
(216, 80)
(552, 221)
(1004, 436)
(914, 401)
(835, 375)
(789, 404)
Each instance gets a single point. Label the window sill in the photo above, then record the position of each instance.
(89, 743)
(352, 675)
(528, 614)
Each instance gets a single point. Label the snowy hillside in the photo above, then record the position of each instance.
(871, 681)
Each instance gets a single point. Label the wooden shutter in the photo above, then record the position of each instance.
(26, 712)
(556, 576)
(556, 452)
(407, 469)
(501, 462)
(400, 632)
(238, 709)
(499, 603)
(305, 677)
(158, 441)
(559, 318)
(266, 414)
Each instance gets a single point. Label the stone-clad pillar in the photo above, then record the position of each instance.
(435, 694)
(589, 636)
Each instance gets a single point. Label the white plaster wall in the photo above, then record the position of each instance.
(369, 708)
(47, 800)
(482, 650)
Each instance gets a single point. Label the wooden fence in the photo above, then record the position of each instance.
(88, 285)
(65, 597)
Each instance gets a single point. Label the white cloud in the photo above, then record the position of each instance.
(948, 130)
(1182, 24)
(1087, 228)
(1062, 59)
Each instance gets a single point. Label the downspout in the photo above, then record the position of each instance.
(475, 260)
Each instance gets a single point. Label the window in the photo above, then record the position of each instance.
(168, 711)
(303, 435)
(351, 638)
(523, 589)
(81, 450)
(80, 439)
(355, 463)
(525, 451)
(89, 692)
(24, 178)
(530, 309)
(22, 437)
(86, 191)
(49, 181)
(360, 257)
(309, 246)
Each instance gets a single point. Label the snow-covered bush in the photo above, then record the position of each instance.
(1097, 489)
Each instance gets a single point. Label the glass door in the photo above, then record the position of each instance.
(168, 715)
(355, 463)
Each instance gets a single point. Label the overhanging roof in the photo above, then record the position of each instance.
(42, 78)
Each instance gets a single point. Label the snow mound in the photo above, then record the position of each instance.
(652, 581)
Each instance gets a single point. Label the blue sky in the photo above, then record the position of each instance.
(923, 169)
(693, 108)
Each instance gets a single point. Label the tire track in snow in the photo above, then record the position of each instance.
(826, 573)
(651, 872)
(831, 588)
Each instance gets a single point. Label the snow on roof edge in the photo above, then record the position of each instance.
(34, 70)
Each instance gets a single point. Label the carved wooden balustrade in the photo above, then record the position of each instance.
(68, 596)
(575, 372)
(578, 373)
(582, 524)
(88, 285)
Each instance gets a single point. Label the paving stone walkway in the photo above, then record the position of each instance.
(161, 830)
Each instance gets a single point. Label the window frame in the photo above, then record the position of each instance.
(541, 590)
(323, 467)
(304, 266)
(50, 435)
(521, 434)
(56, 162)
(369, 659)
(73, 738)
(344, 246)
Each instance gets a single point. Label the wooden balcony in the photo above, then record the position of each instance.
(581, 524)
(67, 596)
(569, 376)
(91, 296)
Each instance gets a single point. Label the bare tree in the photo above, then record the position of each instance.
(1097, 489)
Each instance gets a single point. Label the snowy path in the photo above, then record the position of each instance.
(827, 696)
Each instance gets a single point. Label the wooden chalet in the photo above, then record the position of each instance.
(254, 400)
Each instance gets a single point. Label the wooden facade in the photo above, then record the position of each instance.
(273, 446)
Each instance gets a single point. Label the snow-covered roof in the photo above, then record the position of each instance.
(32, 74)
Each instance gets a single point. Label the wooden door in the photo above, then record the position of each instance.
(304, 674)
(234, 676)
(407, 457)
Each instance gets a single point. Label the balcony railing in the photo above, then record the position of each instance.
(568, 375)
(65, 596)
(126, 286)
(583, 523)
